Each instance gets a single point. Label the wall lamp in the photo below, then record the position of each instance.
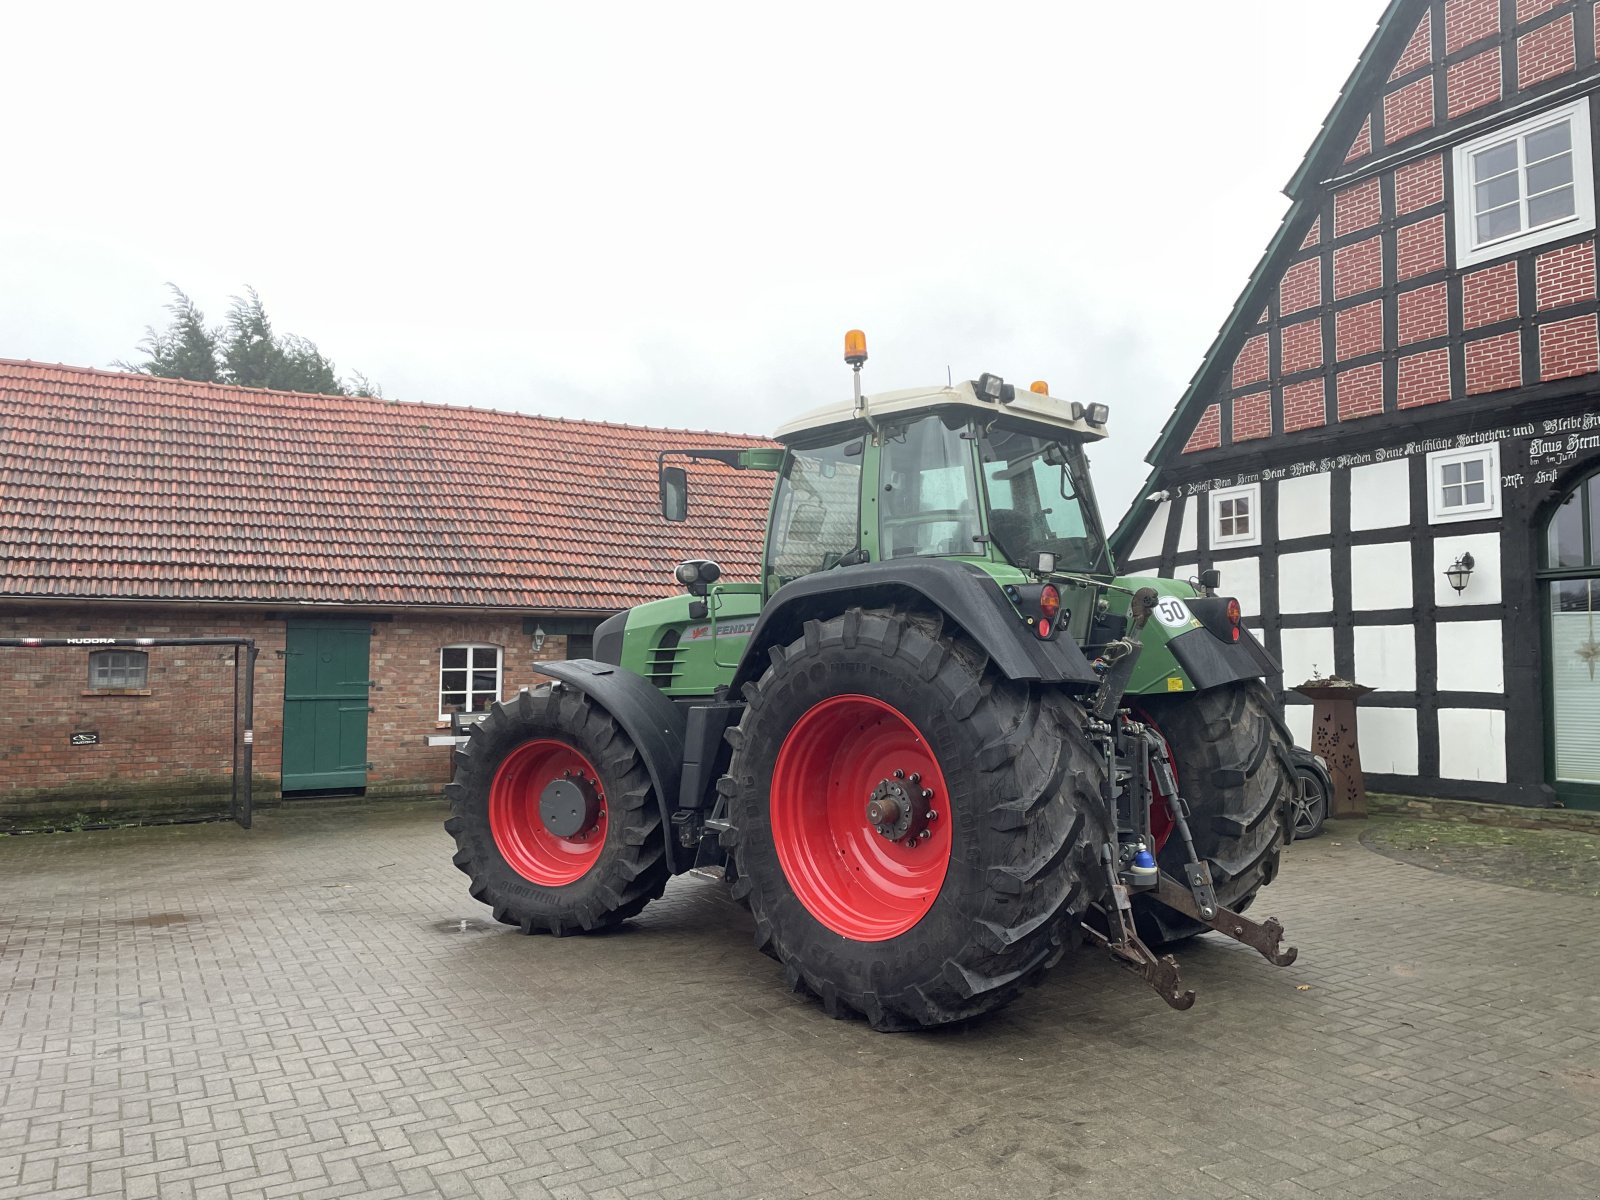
(538, 638)
(1458, 572)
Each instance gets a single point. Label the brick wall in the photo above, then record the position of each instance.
(1469, 21)
(1494, 364)
(1473, 83)
(1547, 52)
(1565, 276)
(171, 747)
(1489, 296)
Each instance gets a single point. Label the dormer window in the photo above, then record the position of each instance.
(1523, 185)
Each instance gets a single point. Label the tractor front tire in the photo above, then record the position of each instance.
(1232, 753)
(915, 835)
(554, 816)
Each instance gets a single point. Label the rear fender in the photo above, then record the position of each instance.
(654, 723)
(966, 595)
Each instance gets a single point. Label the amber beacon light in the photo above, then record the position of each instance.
(1040, 387)
(855, 347)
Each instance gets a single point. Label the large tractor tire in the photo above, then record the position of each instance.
(1234, 765)
(914, 835)
(554, 817)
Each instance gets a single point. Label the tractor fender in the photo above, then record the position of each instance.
(966, 595)
(653, 722)
(1211, 662)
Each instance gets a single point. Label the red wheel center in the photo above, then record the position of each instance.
(547, 811)
(860, 818)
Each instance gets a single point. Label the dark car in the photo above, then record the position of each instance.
(1316, 793)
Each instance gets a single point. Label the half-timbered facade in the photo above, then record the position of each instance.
(1392, 450)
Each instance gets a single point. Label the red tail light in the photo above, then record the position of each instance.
(1043, 627)
(1234, 617)
(1049, 601)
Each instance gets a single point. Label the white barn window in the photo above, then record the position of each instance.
(1236, 516)
(1529, 183)
(469, 679)
(1464, 485)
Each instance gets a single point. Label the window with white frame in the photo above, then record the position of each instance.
(119, 670)
(1236, 516)
(469, 679)
(1528, 183)
(1464, 485)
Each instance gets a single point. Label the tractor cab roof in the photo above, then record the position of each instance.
(1036, 411)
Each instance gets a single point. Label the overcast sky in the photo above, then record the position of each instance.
(668, 213)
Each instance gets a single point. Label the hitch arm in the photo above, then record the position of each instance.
(1265, 938)
(1125, 945)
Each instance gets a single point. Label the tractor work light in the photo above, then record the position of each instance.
(990, 386)
(855, 347)
(1099, 413)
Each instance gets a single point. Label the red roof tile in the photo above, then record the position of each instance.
(131, 487)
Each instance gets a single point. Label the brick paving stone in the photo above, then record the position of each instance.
(198, 1011)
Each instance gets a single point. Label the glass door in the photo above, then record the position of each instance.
(1572, 644)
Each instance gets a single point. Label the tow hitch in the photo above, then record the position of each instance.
(1138, 755)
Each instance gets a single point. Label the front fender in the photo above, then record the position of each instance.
(654, 723)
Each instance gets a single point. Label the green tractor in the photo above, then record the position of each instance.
(937, 746)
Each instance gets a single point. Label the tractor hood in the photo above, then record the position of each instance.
(1041, 413)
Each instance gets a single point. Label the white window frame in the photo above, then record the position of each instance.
(1468, 250)
(1489, 455)
(469, 690)
(1248, 491)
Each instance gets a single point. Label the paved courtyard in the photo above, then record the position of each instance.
(299, 1011)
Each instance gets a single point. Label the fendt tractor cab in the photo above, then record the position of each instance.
(938, 744)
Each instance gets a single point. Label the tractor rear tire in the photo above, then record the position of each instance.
(604, 860)
(981, 892)
(1234, 764)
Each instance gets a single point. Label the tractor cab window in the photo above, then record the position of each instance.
(1039, 500)
(929, 501)
(815, 511)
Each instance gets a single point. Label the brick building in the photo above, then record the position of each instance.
(1408, 385)
(393, 562)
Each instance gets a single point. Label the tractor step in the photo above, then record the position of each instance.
(1265, 937)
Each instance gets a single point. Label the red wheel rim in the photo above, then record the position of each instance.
(849, 876)
(530, 849)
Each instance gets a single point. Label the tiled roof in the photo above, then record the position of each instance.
(131, 487)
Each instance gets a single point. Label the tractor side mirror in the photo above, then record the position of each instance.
(674, 493)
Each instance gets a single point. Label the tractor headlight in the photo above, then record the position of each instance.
(687, 573)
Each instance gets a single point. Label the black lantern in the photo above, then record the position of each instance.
(1458, 572)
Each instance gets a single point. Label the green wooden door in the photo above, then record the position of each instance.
(325, 705)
